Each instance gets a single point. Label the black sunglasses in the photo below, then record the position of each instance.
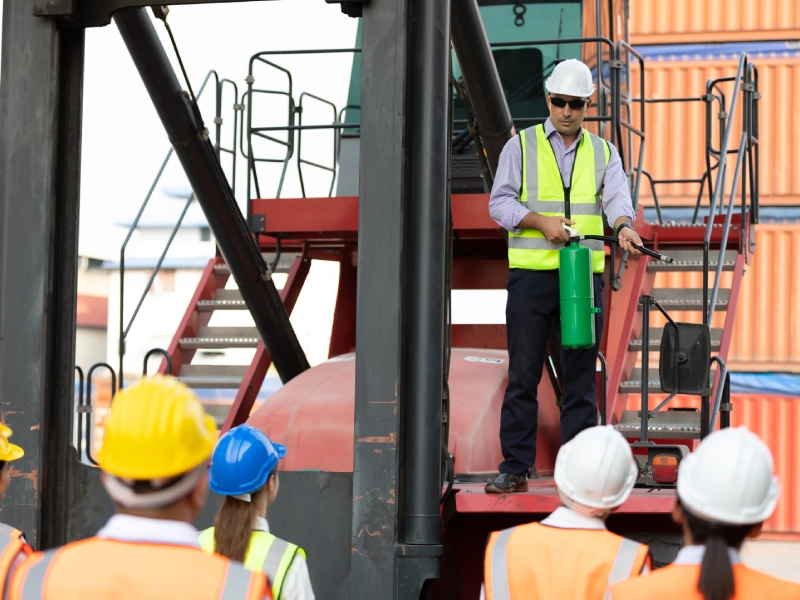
(573, 104)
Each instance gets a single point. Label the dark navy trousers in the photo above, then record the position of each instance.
(531, 310)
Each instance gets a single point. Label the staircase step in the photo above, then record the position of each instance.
(284, 263)
(223, 300)
(634, 384)
(213, 376)
(672, 424)
(691, 259)
(221, 338)
(687, 298)
(655, 340)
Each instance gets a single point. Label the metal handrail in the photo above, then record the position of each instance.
(78, 409)
(300, 160)
(721, 389)
(124, 331)
(88, 405)
(293, 109)
(708, 312)
(163, 353)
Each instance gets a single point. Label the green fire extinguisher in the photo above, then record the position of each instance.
(576, 289)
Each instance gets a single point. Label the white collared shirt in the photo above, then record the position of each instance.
(127, 528)
(297, 583)
(566, 518)
(693, 555)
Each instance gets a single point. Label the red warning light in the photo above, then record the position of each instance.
(665, 468)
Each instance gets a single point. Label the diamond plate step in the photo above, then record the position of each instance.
(222, 338)
(687, 298)
(687, 259)
(284, 263)
(213, 376)
(672, 424)
(223, 300)
(634, 384)
(655, 340)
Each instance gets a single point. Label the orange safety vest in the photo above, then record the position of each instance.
(538, 561)
(102, 568)
(680, 581)
(11, 545)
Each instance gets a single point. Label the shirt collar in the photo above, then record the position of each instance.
(693, 555)
(127, 528)
(566, 518)
(262, 525)
(550, 129)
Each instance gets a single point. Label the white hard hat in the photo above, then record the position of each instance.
(596, 468)
(729, 479)
(571, 78)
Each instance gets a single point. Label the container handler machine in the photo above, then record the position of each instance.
(389, 447)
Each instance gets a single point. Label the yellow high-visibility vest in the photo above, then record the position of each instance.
(266, 553)
(543, 192)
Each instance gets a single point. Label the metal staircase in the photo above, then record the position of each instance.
(723, 242)
(195, 333)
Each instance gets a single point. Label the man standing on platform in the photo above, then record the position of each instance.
(549, 175)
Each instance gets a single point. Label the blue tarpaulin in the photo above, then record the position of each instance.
(725, 51)
(780, 384)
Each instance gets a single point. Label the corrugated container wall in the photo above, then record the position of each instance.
(766, 333)
(675, 143)
(702, 21)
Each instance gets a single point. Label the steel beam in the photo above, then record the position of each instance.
(381, 214)
(98, 13)
(402, 238)
(40, 131)
(482, 80)
(180, 117)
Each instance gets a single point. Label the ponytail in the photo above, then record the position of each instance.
(234, 525)
(716, 573)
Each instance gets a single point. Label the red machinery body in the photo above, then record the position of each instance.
(313, 414)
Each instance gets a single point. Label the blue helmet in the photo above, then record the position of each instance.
(242, 461)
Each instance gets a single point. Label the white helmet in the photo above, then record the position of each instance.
(596, 468)
(571, 78)
(729, 479)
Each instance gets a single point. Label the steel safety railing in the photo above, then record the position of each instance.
(86, 408)
(219, 86)
(746, 80)
(294, 127)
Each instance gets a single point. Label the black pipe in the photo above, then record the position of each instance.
(425, 274)
(202, 167)
(479, 71)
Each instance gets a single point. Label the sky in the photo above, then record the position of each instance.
(123, 140)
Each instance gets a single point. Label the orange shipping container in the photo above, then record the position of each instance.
(776, 420)
(702, 21)
(675, 144)
(766, 335)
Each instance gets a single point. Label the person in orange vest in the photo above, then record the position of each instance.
(13, 546)
(154, 460)
(726, 490)
(571, 554)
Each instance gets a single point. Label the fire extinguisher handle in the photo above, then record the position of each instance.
(656, 255)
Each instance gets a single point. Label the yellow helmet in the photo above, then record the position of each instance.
(156, 429)
(8, 451)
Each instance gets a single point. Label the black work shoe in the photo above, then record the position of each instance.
(507, 483)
